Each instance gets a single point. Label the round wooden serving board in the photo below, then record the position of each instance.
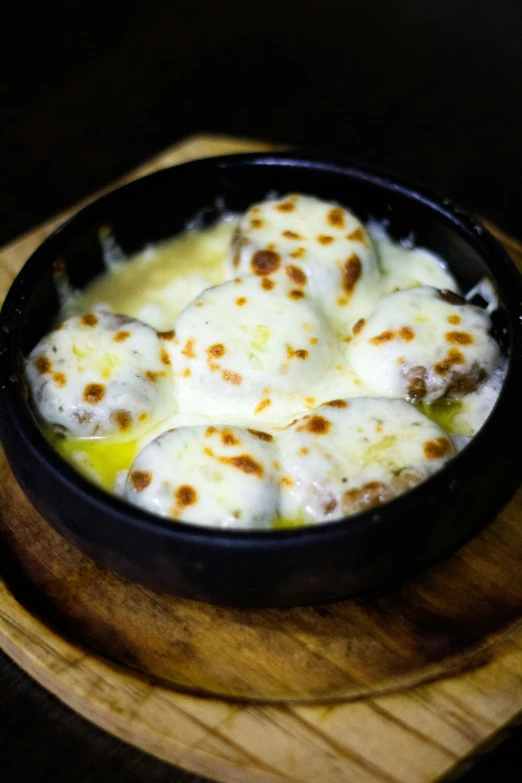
(139, 663)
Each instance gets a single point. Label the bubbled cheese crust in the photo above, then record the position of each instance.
(423, 343)
(351, 455)
(327, 242)
(219, 476)
(242, 345)
(101, 374)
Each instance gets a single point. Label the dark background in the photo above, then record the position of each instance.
(431, 90)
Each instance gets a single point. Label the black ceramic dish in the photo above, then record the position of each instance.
(283, 567)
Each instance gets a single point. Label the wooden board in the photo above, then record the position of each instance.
(460, 616)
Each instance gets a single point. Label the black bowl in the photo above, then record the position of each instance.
(267, 568)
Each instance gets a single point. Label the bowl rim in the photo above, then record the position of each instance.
(500, 265)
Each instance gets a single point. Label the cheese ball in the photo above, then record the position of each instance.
(219, 476)
(323, 240)
(422, 344)
(100, 374)
(351, 455)
(242, 344)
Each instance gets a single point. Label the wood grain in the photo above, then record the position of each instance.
(461, 613)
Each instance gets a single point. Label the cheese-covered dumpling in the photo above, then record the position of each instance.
(101, 374)
(422, 344)
(220, 476)
(327, 242)
(351, 455)
(241, 344)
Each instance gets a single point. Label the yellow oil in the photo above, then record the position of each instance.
(443, 413)
(98, 459)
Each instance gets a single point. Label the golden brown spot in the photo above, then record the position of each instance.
(401, 360)
(329, 506)
(238, 281)
(342, 301)
(165, 358)
(378, 428)
(299, 253)
(325, 239)
(453, 358)
(232, 377)
(351, 496)
(43, 365)
(188, 350)
(261, 435)
(245, 463)
(459, 338)
(123, 419)
(286, 481)
(359, 326)
(264, 262)
(295, 294)
(186, 372)
(186, 495)
(303, 451)
(267, 284)
(286, 206)
(352, 273)
(417, 383)
(255, 210)
(291, 235)
(89, 319)
(140, 479)
(228, 438)
(454, 319)
(167, 335)
(436, 449)
(256, 223)
(120, 337)
(337, 404)
(313, 340)
(335, 217)
(143, 416)
(357, 235)
(153, 376)
(217, 350)
(241, 300)
(383, 337)
(210, 431)
(407, 334)
(296, 275)
(60, 379)
(318, 425)
(262, 405)
(300, 353)
(94, 393)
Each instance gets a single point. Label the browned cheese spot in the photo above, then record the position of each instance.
(300, 353)
(342, 301)
(43, 365)
(262, 405)
(238, 281)
(153, 376)
(286, 206)
(188, 350)
(329, 506)
(335, 217)
(299, 253)
(359, 326)
(235, 261)
(325, 239)
(286, 481)
(228, 438)
(123, 419)
(232, 377)
(357, 235)
(256, 223)
(167, 335)
(140, 479)
(407, 334)
(295, 294)
(453, 319)
(453, 358)
(120, 337)
(94, 393)
(264, 262)
(60, 379)
(89, 319)
(352, 273)
(296, 275)
(255, 209)
(401, 360)
(378, 428)
(261, 435)
(267, 284)
(337, 404)
(164, 357)
(291, 235)
(186, 372)
(450, 297)
(417, 383)
(245, 463)
(217, 350)
(318, 425)
(241, 300)
(186, 495)
(303, 451)
(459, 338)
(437, 448)
(383, 337)
(313, 340)
(143, 416)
